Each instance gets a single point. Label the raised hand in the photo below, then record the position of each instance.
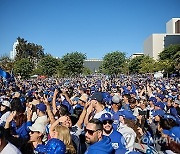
(11, 116)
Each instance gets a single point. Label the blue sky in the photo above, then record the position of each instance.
(94, 27)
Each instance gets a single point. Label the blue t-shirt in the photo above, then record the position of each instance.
(117, 140)
(115, 117)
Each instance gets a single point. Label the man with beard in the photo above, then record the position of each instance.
(117, 140)
(94, 137)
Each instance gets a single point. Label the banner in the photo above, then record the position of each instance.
(4, 74)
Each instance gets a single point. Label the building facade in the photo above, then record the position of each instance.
(13, 52)
(156, 43)
(93, 64)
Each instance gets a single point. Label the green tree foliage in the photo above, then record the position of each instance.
(169, 52)
(148, 65)
(134, 65)
(48, 66)
(177, 61)
(86, 71)
(60, 69)
(28, 50)
(166, 66)
(125, 67)
(6, 63)
(23, 68)
(73, 63)
(113, 63)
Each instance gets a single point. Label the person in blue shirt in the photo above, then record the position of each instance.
(116, 105)
(117, 140)
(98, 144)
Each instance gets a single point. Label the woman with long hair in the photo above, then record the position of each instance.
(63, 133)
(128, 129)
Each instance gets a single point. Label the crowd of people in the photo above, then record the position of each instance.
(90, 115)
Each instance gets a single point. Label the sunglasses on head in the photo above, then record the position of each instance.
(107, 121)
(90, 132)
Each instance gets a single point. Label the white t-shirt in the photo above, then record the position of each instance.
(10, 149)
(129, 135)
(43, 120)
(98, 115)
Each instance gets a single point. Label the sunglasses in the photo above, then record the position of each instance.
(107, 121)
(90, 132)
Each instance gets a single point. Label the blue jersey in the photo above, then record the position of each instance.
(117, 140)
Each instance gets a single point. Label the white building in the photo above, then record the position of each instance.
(173, 26)
(13, 52)
(156, 43)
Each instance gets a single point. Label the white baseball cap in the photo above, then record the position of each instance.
(37, 127)
(6, 103)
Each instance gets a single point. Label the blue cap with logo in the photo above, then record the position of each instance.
(106, 116)
(160, 104)
(127, 114)
(158, 113)
(153, 99)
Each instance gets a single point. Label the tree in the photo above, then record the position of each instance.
(148, 65)
(125, 67)
(86, 71)
(166, 66)
(73, 63)
(48, 65)
(134, 65)
(60, 69)
(112, 63)
(177, 60)
(6, 63)
(169, 52)
(28, 50)
(23, 68)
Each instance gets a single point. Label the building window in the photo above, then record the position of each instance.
(177, 26)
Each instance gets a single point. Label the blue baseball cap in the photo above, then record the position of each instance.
(158, 113)
(161, 96)
(127, 114)
(53, 146)
(106, 116)
(66, 103)
(166, 116)
(173, 133)
(160, 104)
(97, 96)
(153, 99)
(41, 107)
(133, 92)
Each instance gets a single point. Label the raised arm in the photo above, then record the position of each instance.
(54, 101)
(83, 115)
(48, 110)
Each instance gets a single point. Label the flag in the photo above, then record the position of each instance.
(4, 74)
